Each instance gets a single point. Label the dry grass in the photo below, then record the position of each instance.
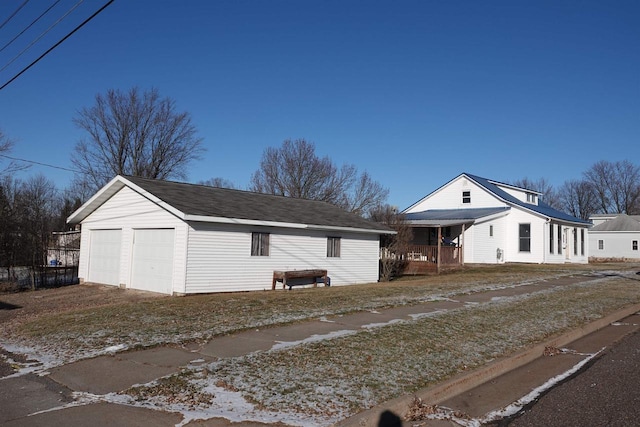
(341, 376)
(144, 320)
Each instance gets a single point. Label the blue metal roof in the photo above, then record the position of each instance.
(541, 208)
(449, 215)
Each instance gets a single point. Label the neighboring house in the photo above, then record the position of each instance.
(178, 238)
(614, 236)
(64, 248)
(478, 220)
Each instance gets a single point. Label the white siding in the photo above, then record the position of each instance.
(219, 257)
(129, 210)
(484, 246)
(512, 243)
(450, 197)
(617, 244)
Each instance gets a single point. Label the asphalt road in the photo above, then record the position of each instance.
(606, 393)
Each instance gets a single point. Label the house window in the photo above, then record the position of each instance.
(333, 247)
(559, 239)
(525, 237)
(466, 196)
(491, 231)
(634, 245)
(575, 241)
(259, 244)
(582, 241)
(601, 245)
(551, 239)
(531, 198)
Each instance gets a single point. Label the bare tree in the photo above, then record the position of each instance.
(134, 133)
(578, 198)
(395, 246)
(616, 186)
(541, 185)
(218, 182)
(11, 166)
(294, 170)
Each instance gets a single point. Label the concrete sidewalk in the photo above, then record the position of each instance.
(23, 399)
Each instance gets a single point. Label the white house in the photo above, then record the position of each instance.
(615, 236)
(492, 222)
(178, 238)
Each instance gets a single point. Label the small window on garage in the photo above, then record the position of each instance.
(634, 245)
(466, 196)
(259, 244)
(333, 247)
(491, 231)
(601, 244)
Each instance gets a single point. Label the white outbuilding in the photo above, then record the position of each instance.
(178, 238)
(615, 237)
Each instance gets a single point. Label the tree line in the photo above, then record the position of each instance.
(141, 133)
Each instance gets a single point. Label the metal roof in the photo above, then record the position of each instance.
(541, 208)
(446, 217)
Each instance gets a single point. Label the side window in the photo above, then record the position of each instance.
(333, 247)
(524, 232)
(575, 241)
(601, 244)
(634, 245)
(466, 196)
(582, 241)
(551, 239)
(491, 231)
(559, 239)
(259, 244)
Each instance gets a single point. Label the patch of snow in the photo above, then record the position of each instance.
(434, 313)
(382, 324)
(324, 319)
(115, 348)
(313, 338)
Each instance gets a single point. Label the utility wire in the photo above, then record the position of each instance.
(57, 44)
(37, 39)
(13, 14)
(29, 26)
(39, 163)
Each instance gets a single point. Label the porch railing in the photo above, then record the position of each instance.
(427, 253)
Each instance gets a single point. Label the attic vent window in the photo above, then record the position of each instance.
(466, 197)
(531, 198)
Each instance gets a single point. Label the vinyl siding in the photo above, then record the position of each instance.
(128, 210)
(450, 197)
(484, 246)
(219, 257)
(617, 244)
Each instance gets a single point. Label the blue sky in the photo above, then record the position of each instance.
(413, 92)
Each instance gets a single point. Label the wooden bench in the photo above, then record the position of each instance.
(286, 276)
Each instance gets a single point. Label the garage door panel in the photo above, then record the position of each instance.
(152, 268)
(104, 256)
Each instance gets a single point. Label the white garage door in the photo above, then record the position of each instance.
(152, 268)
(104, 256)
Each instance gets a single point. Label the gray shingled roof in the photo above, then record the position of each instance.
(202, 200)
(622, 222)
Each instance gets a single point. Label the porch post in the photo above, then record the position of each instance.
(439, 248)
(461, 257)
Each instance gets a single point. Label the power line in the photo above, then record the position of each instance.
(51, 27)
(39, 163)
(13, 14)
(57, 44)
(29, 26)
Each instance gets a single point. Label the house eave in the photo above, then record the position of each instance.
(276, 224)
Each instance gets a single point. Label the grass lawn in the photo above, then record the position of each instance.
(325, 381)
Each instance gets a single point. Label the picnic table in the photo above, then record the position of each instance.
(286, 276)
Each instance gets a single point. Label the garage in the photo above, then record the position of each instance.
(152, 265)
(104, 256)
